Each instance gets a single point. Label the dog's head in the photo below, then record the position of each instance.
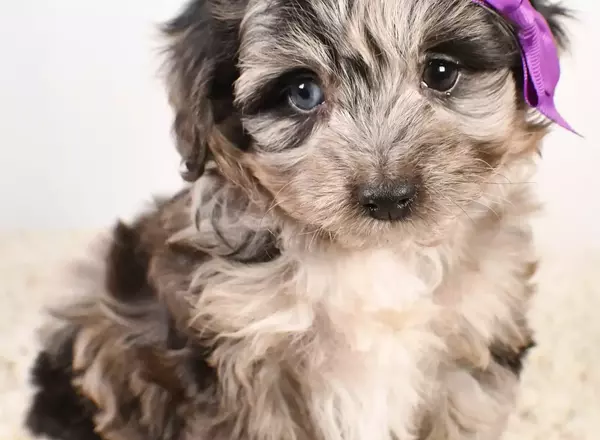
(355, 117)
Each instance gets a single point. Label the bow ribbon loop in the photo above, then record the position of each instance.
(539, 54)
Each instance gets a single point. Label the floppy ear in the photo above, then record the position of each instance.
(555, 15)
(202, 68)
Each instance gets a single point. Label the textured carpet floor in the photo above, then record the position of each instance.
(560, 397)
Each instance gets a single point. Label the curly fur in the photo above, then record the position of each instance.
(260, 303)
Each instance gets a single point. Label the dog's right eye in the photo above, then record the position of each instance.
(305, 93)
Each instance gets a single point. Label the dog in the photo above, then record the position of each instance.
(351, 258)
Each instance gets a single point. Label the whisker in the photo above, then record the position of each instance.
(456, 204)
(489, 208)
(274, 204)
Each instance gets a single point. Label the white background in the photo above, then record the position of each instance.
(84, 122)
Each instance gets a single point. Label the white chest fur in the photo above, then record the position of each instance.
(378, 306)
(353, 328)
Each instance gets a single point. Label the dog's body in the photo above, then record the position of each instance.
(263, 302)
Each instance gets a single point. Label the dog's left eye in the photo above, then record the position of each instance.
(441, 75)
(305, 93)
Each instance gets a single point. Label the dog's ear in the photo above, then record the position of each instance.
(203, 42)
(555, 15)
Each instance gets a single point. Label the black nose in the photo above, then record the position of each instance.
(389, 201)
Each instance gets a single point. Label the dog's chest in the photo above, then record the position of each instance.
(371, 335)
(376, 279)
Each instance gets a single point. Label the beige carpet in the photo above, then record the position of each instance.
(560, 398)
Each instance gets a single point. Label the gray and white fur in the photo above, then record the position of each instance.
(352, 260)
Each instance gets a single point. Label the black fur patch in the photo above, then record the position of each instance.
(57, 410)
(510, 359)
(498, 50)
(209, 44)
(301, 15)
(127, 266)
(493, 54)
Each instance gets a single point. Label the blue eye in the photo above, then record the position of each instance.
(305, 94)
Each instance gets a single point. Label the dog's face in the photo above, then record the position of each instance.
(357, 117)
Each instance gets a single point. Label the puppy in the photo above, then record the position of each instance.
(352, 259)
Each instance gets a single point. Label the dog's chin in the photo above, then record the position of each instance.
(368, 233)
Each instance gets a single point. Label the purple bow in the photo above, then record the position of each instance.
(539, 54)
